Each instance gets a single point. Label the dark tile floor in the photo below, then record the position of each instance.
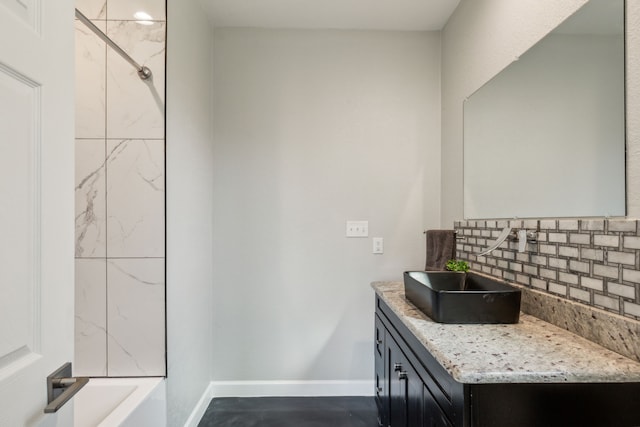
(291, 411)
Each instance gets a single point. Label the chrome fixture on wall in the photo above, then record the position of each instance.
(143, 72)
(522, 236)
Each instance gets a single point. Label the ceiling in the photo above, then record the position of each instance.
(407, 15)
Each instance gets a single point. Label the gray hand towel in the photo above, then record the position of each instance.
(441, 247)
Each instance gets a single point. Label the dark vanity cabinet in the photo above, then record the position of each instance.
(414, 390)
(405, 389)
(410, 400)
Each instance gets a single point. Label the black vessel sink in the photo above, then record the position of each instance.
(456, 297)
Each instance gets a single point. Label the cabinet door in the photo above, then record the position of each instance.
(405, 391)
(381, 383)
(415, 400)
(433, 415)
(397, 364)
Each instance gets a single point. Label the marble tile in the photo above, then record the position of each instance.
(135, 198)
(90, 198)
(90, 82)
(125, 9)
(136, 107)
(136, 338)
(92, 9)
(90, 318)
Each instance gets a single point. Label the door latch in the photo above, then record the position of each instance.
(61, 387)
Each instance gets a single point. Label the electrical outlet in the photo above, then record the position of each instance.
(378, 245)
(357, 228)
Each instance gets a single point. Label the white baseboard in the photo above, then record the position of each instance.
(201, 407)
(291, 388)
(276, 389)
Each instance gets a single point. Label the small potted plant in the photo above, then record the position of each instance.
(457, 265)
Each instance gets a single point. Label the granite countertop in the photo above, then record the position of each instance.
(531, 351)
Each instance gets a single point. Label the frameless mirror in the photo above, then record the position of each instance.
(546, 136)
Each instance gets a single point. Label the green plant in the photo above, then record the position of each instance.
(455, 265)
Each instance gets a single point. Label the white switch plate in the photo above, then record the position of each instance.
(357, 228)
(378, 245)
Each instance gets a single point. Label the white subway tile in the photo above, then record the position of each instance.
(572, 279)
(539, 283)
(568, 224)
(557, 237)
(557, 288)
(548, 224)
(538, 259)
(621, 257)
(591, 283)
(580, 239)
(580, 294)
(631, 275)
(606, 271)
(621, 290)
(592, 224)
(632, 309)
(548, 274)
(606, 240)
(622, 225)
(592, 254)
(568, 251)
(557, 263)
(631, 242)
(607, 302)
(509, 276)
(582, 267)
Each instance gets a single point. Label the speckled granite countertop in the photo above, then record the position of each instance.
(532, 351)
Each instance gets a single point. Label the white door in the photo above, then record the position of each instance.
(36, 205)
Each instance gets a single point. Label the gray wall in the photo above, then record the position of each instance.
(189, 209)
(313, 128)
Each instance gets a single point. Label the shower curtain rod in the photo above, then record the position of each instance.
(143, 72)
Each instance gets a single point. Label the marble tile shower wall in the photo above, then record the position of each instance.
(120, 232)
(591, 261)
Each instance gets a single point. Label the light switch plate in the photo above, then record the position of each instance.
(378, 245)
(357, 228)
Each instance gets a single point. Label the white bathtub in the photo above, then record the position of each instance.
(121, 402)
